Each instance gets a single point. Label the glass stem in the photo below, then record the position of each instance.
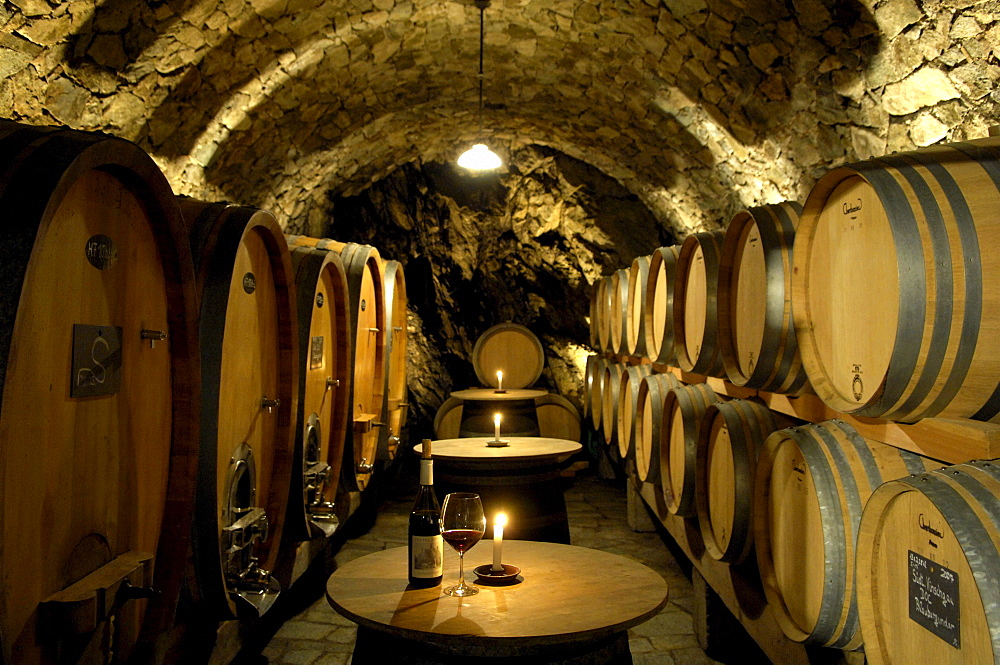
(461, 570)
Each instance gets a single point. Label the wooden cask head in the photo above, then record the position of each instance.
(696, 332)
(756, 331)
(619, 311)
(683, 410)
(100, 380)
(659, 312)
(250, 368)
(628, 392)
(926, 562)
(396, 405)
(512, 349)
(892, 296)
(365, 288)
(325, 386)
(635, 322)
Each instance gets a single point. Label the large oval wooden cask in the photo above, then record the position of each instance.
(324, 330)
(512, 349)
(696, 326)
(928, 555)
(250, 367)
(648, 424)
(683, 410)
(811, 486)
(628, 398)
(619, 311)
(659, 313)
(100, 392)
(731, 436)
(395, 407)
(908, 328)
(635, 324)
(365, 288)
(756, 331)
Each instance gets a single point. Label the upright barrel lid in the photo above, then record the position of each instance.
(512, 349)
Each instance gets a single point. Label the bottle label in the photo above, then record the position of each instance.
(428, 556)
(426, 472)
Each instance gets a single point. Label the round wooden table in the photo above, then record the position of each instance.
(572, 604)
(516, 406)
(491, 394)
(520, 479)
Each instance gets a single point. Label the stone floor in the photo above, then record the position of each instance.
(317, 635)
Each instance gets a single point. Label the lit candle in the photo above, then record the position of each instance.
(496, 426)
(498, 523)
(499, 379)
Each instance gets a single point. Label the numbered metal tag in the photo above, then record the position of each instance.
(316, 352)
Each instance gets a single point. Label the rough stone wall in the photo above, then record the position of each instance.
(699, 107)
(523, 247)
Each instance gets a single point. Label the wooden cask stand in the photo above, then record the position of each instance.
(949, 440)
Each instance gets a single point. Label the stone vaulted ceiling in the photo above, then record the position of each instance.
(698, 107)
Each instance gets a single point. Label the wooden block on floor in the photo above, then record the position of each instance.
(639, 519)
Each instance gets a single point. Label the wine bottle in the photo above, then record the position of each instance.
(425, 543)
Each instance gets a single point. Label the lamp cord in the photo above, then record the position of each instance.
(482, 32)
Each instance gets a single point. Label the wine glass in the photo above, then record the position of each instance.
(462, 525)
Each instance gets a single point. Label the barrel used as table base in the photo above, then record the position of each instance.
(376, 647)
(532, 497)
(518, 418)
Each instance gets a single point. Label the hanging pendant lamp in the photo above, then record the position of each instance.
(479, 157)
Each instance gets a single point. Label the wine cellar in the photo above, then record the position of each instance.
(489, 331)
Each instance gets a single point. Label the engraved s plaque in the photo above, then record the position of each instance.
(97, 361)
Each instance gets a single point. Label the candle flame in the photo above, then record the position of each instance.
(496, 418)
(500, 520)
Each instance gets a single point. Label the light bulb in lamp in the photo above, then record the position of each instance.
(479, 158)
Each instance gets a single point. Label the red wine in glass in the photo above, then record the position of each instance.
(461, 539)
(462, 525)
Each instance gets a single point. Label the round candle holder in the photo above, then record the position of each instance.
(486, 575)
(497, 443)
(500, 391)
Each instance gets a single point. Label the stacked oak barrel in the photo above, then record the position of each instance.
(792, 383)
(176, 428)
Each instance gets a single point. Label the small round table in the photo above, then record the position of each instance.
(516, 406)
(520, 479)
(572, 605)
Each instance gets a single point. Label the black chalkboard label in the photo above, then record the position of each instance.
(934, 598)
